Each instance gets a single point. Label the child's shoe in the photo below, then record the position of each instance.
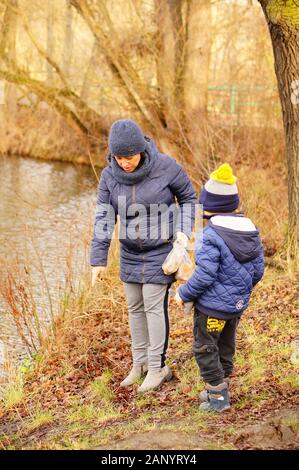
(135, 374)
(218, 398)
(154, 379)
(203, 396)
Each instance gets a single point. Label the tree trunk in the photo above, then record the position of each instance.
(196, 74)
(68, 38)
(179, 35)
(283, 21)
(197, 56)
(164, 58)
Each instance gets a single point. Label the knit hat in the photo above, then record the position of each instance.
(126, 138)
(220, 193)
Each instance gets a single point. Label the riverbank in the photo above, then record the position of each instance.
(44, 135)
(69, 397)
(46, 212)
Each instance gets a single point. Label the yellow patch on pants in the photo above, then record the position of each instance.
(214, 324)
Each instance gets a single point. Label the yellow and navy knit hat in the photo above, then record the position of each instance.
(220, 192)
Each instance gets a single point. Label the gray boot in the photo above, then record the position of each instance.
(203, 396)
(154, 379)
(135, 374)
(218, 398)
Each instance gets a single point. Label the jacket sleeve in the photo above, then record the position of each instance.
(259, 267)
(205, 273)
(105, 219)
(183, 190)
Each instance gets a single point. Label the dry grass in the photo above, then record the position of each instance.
(42, 134)
(72, 399)
(73, 382)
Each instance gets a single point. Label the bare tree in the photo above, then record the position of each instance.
(168, 51)
(283, 21)
(183, 49)
(64, 99)
(196, 73)
(170, 99)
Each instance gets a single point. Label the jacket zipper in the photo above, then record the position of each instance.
(134, 201)
(139, 240)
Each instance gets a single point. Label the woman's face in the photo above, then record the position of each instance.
(128, 164)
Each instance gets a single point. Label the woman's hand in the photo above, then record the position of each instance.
(181, 239)
(97, 272)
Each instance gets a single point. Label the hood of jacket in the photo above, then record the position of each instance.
(239, 234)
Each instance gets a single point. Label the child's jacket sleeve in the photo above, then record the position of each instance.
(205, 273)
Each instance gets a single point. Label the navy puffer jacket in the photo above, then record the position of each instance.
(229, 263)
(144, 243)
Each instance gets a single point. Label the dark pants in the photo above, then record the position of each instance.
(214, 344)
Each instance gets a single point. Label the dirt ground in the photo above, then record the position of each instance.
(280, 431)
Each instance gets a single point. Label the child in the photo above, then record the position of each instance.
(229, 263)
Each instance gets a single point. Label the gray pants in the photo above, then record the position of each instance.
(149, 323)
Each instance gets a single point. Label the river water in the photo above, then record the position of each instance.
(46, 214)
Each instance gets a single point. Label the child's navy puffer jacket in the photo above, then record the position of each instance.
(229, 262)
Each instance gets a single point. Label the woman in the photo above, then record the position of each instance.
(137, 179)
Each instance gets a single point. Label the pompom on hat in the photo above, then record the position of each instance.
(220, 192)
(224, 174)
